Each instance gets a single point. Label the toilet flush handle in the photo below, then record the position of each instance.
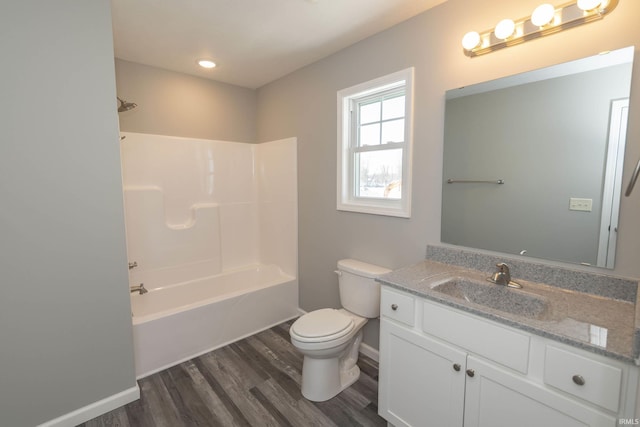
(338, 272)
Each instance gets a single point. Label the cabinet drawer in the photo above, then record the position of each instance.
(485, 338)
(397, 306)
(583, 377)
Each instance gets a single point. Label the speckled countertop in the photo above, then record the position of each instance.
(596, 323)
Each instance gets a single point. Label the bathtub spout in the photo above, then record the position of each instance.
(140, 288)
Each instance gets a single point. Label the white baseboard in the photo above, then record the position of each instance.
(370, 352)
(95, 409)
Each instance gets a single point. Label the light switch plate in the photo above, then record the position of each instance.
(576, 204)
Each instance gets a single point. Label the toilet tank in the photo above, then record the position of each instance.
(359, 291)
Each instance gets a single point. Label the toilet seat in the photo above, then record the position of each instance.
(322, 325)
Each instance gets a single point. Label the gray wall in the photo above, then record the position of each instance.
(548, 141)
(177, 104)
(303, 104)
(65, 323)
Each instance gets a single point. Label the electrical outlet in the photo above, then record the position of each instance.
(584, 205)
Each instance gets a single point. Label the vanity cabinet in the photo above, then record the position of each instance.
(440, 366)
(420, 379)
(496, 397)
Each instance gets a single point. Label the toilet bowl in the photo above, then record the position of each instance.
(330, 338)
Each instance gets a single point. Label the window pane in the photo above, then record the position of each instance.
(393, 108)
(370, 112)
(379, 174)
(369, 135)
(393, 131)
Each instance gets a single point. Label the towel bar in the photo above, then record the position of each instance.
(470, 181)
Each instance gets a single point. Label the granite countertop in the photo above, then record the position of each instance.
(596, 323)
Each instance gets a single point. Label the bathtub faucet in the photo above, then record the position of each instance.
(133, 264)
(140, 288)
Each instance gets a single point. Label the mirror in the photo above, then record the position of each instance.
(533, 162)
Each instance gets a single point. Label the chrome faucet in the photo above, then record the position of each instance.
(133, 264)
(503, 277)
(140, 288)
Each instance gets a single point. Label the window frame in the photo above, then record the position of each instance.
(347, 199)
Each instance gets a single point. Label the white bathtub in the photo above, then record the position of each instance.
(177, 322)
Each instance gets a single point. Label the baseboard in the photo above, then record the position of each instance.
(370, 352)
(95, 409)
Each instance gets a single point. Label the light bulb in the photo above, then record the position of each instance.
(589, 4)
(205, 63)
(471, 40)
(542, 15)
(505, 29)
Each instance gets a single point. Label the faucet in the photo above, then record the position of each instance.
(503, 277)
(133, 264)
(140, 288)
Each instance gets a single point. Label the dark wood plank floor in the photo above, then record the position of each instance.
(253, 382)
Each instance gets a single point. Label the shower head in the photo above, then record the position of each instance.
(125, 106)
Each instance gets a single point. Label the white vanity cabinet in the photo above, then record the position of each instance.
(496, 397)
(440, 366)
(420, 379)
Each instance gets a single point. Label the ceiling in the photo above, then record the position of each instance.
(253, 41)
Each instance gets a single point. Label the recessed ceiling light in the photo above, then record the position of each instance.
(206, 63)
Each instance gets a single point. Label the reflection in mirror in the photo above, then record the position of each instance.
(556, 138)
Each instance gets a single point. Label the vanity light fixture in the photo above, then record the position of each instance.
(545, 19)
(505, 29)
(543, 15)
(471, 40)
(589, 4)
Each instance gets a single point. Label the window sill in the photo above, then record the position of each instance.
(399, 212)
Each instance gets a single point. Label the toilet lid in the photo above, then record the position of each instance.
(322, 325)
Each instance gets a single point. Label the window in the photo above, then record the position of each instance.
(374, 146)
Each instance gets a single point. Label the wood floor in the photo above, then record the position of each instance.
(253, 382)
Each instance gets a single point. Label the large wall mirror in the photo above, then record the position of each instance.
(533, 162)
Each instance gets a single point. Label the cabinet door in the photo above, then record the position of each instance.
(421, 381)
(498, 398)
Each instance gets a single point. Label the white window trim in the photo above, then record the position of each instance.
(346, 201)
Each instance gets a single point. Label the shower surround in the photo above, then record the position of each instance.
(212, 227)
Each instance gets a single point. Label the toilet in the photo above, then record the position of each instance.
(330, 339)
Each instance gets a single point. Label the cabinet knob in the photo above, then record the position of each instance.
(578, 379)
(471, 372)
(394, 307)
(456, 367)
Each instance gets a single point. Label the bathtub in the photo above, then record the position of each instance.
(176, 322)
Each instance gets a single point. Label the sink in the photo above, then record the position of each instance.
(496, 297)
